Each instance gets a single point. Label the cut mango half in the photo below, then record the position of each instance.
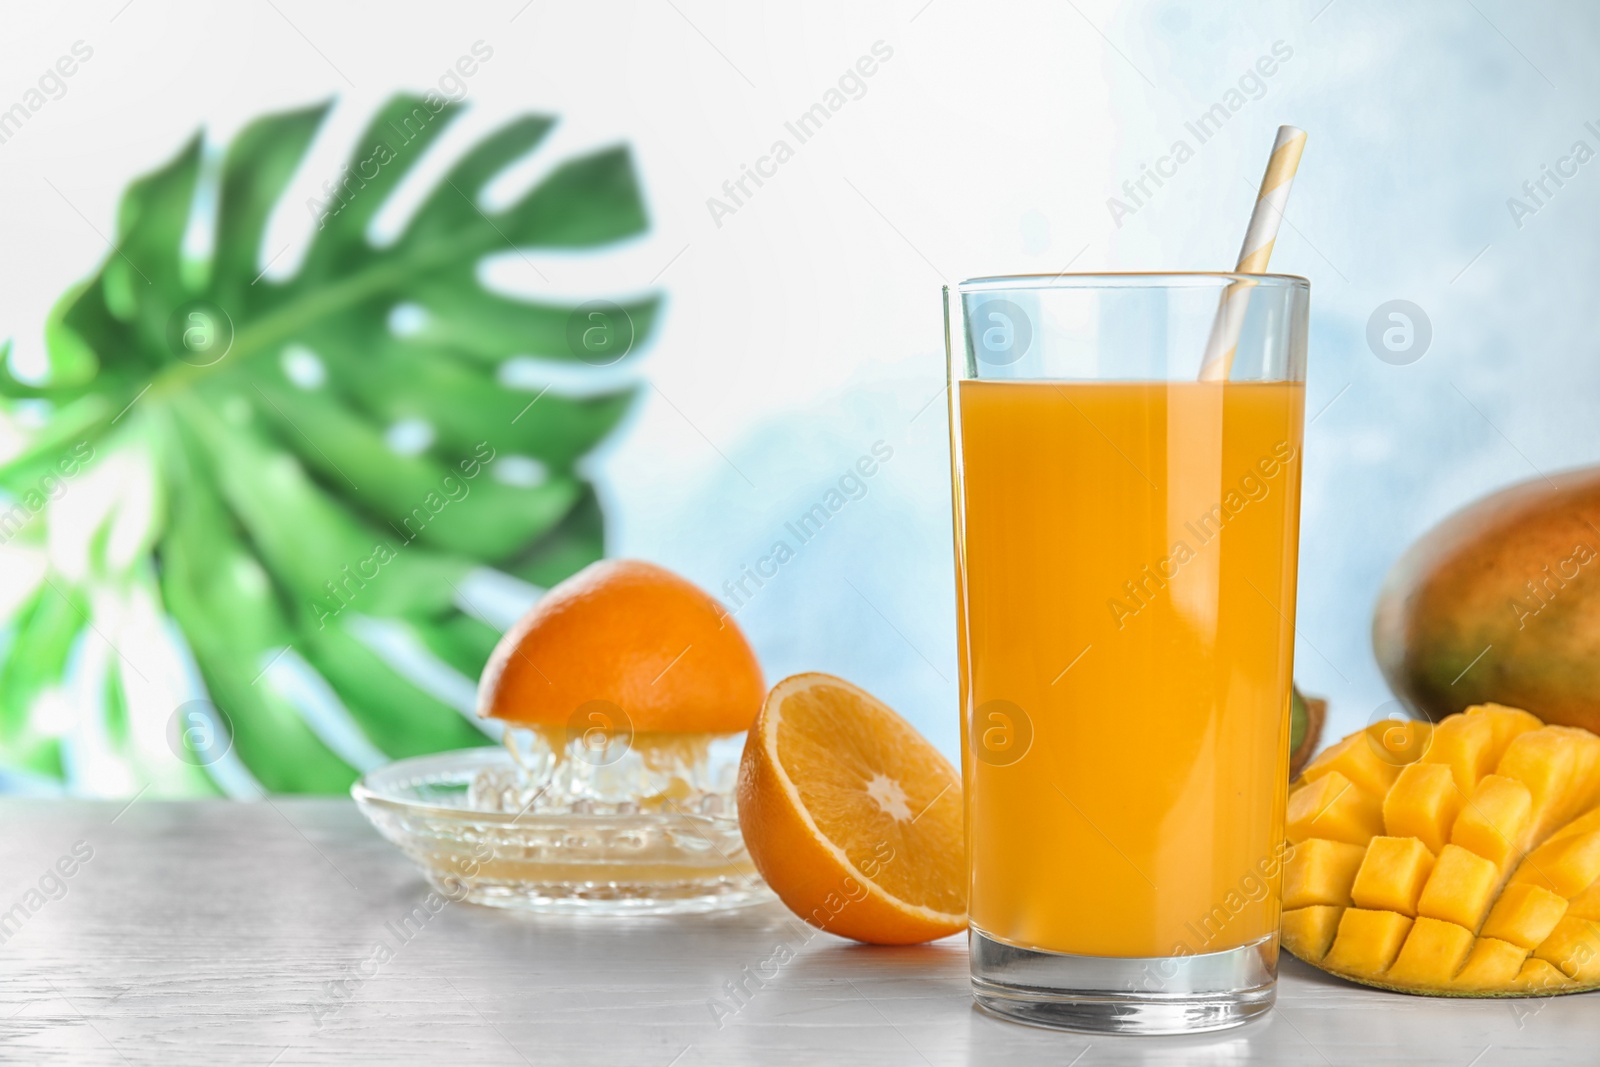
(1460, 859)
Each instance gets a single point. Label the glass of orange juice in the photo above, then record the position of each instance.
(1126, 532)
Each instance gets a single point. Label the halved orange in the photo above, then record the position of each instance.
(851, 816)
(631, 637)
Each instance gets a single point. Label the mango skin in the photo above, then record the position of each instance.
(1465, 587)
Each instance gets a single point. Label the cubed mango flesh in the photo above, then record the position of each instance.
(1545, 761)
(1433, 952)
(1320, 871)
(1460, 888)
(1361, 759)
(1464, 744)
(1332, 807)
(1586, 823)
(1566, 866)
(1540, 978)
(1585, 772)
(1392, 875)
(1491, 967)
(1464, 861)
(1399, 743)
(1367, 941)
(1508, 724)
(1423, 803)
(1310, 930)
(1524, 915)
(1586, 905)
(1494, 821)
(1573, 948)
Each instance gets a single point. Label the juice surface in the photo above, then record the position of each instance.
(1126, 559)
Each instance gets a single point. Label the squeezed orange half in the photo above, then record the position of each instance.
(1126, 558)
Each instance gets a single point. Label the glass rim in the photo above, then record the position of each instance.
(1127, 280)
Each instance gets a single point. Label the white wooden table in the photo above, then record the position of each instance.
(222, 933)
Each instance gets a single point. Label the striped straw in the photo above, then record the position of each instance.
(1253, 256)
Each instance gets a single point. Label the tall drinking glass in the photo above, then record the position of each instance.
(1126, 540)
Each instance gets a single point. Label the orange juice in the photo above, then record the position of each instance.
(1126, 558)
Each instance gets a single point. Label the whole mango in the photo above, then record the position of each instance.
(1500, 603)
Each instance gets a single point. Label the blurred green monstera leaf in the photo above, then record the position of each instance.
(248, 523)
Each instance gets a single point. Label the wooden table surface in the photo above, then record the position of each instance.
(214, 932)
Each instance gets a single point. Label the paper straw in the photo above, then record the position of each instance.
(1253, 255)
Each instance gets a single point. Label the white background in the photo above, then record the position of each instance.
(806, 326)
